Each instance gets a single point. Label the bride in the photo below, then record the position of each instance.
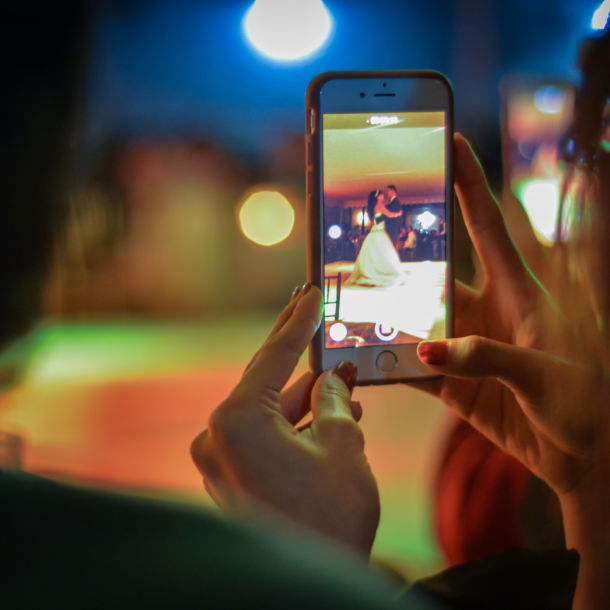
(378, 264)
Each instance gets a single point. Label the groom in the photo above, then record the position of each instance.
(393, 225)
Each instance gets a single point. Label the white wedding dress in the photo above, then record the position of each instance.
(378, 264)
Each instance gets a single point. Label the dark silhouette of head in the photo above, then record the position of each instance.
(371, 202)
(391, 191)
(41, 86)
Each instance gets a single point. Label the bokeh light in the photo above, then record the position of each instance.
(334, 232)
(362, 216)
(540, 198)
(426, 219)
(337, 331)
(600, 16)
(266, 217)
(549, 100)
(287, 30)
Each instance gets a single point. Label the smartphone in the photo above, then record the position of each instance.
(380, 219)
(536, 113)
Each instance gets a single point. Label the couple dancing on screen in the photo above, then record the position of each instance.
(378, 263)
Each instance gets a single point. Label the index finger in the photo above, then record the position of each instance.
(279, 357)
(279, 323)
(499, 256)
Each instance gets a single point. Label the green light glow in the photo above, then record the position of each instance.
(540, 198)
(84, 352)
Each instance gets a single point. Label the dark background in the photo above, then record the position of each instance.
(185, 70)
(185, 67)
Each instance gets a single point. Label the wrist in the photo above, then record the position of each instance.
(587, 528)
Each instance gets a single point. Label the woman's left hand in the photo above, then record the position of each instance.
(318, 476)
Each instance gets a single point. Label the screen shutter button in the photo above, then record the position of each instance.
(386, 362)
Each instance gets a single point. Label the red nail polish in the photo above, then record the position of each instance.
(348, 372)
(306, 287)
(433, 352)
(295, 293)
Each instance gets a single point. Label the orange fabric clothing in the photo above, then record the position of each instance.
(478, 491)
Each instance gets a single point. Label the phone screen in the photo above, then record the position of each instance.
(384, 228)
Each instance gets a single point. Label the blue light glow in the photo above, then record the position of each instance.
(549, 100)
(600, 16)
(287, 30)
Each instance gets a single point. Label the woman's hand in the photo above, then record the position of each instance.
(531, 379)
(318, 475)
(519, 373)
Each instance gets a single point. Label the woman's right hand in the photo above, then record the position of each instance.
(530, 380)
(518, 372)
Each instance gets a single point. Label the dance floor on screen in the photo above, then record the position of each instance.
(415, 308)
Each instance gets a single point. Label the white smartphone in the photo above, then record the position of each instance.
(380, 219)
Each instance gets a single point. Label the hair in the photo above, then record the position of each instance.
(391, 186)
(41, 91)
(371, 203)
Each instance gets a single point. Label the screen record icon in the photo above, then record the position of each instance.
(385, 332)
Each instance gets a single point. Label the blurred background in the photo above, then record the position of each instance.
(187, 236)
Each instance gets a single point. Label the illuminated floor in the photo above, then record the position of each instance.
(117, 405)
(415, 307)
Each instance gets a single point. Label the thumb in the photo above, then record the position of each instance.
(519, 368)
(333, 421)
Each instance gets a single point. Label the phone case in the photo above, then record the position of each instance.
(314, 247)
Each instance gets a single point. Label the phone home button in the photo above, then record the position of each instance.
(386, 362)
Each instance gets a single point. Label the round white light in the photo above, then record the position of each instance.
(287, 29)
(426, 220)
(337, 331)
(335, 232)
(362, 216)
(549, 100)
(540, 199)
(600, 16)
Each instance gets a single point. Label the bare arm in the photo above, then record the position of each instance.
(587, 527)
(381, 209)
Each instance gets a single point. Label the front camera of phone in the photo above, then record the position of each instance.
(362, 95)
(384, 84)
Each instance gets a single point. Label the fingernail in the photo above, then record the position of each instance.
(295, 293)
(433, 352)
(347, 372)
(306, 287)
(356, 408)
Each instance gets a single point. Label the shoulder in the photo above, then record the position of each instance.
(122, 552)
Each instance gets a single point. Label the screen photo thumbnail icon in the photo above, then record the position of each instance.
(338, 332)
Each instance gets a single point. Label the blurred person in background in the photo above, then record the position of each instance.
(410, 243)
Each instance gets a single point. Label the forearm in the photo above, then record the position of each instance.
(586, 514)
(382, 208)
